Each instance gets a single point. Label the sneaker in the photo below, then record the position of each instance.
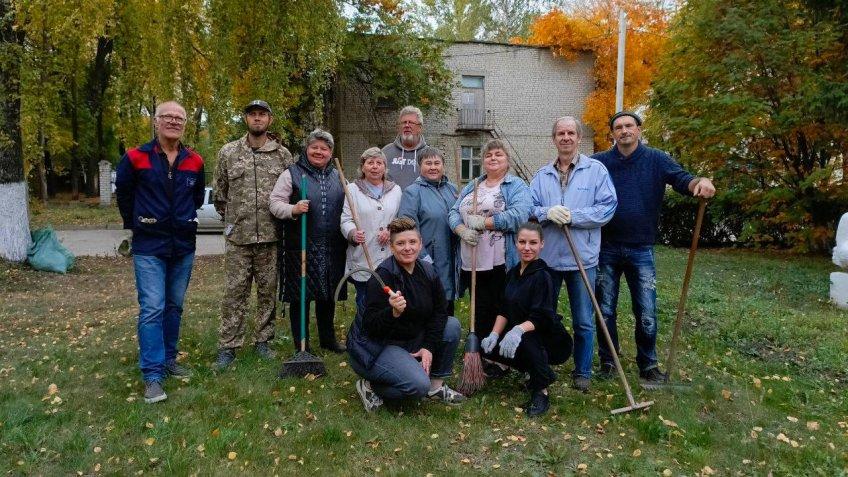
(264, 351)
(370, 399)
(153, 392)
(493, 370)
(580, 383)
(225, 358)
(539, 404)
(445, 394)
(177, 370)
(652, 376)
(607, 371)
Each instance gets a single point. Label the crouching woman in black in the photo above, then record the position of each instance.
(535, 338)
(403, 344)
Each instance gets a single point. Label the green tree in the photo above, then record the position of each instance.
(746, 93)
(454, 20)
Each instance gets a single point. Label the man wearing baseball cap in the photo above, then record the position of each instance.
(246, 172)
(640, 175)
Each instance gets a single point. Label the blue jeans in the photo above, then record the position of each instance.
(360, 288)
(395, 374)
(637, 264)
(161, 285)
(582, 316)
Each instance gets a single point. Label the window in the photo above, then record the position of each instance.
(470, 163)
(475, 82)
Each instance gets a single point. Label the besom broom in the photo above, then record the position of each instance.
(472, 378)
(303, 363)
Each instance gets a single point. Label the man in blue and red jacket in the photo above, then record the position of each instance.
(159, 186)
(640, 175)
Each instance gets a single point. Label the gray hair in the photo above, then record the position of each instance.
(320, 134)
(407, 110)
(168, 103)
(371, 153)
(494, 144)
(562, 119)
(429, 151)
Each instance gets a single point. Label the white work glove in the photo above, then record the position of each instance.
(511, 341)
(469, 236)
(476, 222)
(559, 215)
(489, 342)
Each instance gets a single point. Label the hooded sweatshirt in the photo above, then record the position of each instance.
(403, 162)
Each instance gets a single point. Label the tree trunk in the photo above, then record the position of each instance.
(41, 168)
(98, 82)
(75, 160)
(14, 218)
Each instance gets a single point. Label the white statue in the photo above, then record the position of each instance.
(839, 280)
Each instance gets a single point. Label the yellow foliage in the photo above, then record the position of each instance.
(595, 29)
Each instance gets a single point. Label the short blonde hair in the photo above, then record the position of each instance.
(493, 144)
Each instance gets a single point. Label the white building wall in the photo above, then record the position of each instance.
(526, 88)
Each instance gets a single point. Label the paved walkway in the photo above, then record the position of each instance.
(104, 243)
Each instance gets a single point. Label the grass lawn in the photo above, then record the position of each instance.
(766, 358)
(63, 213)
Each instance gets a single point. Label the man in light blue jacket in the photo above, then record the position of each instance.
(574, 190)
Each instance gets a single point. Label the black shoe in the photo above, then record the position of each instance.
(607, 371)
(580, 383)
(225, 359)
(177, 370)
(335, 347)
(539, 404)
(264, 351)
(493, 371)
(652, 376)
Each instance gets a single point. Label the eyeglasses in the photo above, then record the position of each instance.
(169, 118)
(408, 123)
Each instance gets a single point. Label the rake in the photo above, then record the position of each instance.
(303, 363)
(632, 404)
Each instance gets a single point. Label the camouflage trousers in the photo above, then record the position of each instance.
(245, 264)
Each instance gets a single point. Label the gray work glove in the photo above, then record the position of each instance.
(489, 342)
(469, 236)
(511, 341)
(559, 215)
(476, 222)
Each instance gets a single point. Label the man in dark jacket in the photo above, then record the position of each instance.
(402, 154)
(159, 186)
(640, 175)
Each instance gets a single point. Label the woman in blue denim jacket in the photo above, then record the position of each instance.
(503, 204)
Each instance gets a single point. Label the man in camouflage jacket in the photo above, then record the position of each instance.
(245, 174)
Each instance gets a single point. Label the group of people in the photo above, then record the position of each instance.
(403, 223)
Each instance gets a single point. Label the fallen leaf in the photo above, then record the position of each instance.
(52, 389)
(637, 452)
(278, 432)
(667, 473)
(97, 450)
(232, 455)
(726, 394)
(758, 383)
(582, 467)
(216, 432)
(434, 436)
(150, 441)
(707, 470)
(813, 425)
(791, 418)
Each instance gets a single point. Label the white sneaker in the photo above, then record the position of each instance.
(370, 399)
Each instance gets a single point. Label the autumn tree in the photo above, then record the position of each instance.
(745, 92)
(14, 221)
(592, 26)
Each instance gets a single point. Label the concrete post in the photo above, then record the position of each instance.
(105, 183)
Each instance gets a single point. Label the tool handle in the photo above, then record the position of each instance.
(681, 305)
(353, 212)
(601, 323)
(473, 307)
(303, 268)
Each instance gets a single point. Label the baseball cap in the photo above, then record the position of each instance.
(257, 103)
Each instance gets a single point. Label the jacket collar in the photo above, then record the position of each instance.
(395, 269)
(637, 153)
(153, 146)
(427, 182)
(308, 167)
(532, 267)
(365, 189)
(583, 162)
(269, 146)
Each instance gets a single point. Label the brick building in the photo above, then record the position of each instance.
(512, 92)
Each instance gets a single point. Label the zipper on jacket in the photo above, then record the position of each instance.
(255, 196)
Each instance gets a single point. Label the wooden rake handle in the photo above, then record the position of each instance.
(681, 305)
(473, 307)
(353, 211)
(590, 289)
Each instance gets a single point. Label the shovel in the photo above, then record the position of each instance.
(632, 405)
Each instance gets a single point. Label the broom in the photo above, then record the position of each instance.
(472, 378)
(303, 363)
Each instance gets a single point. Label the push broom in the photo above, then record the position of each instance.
(303, 362)
(472, 378)
(632, 405)
(681, 305)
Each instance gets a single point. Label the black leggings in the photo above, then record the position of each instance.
(535, 356)
(490, 292)
(325, 314)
